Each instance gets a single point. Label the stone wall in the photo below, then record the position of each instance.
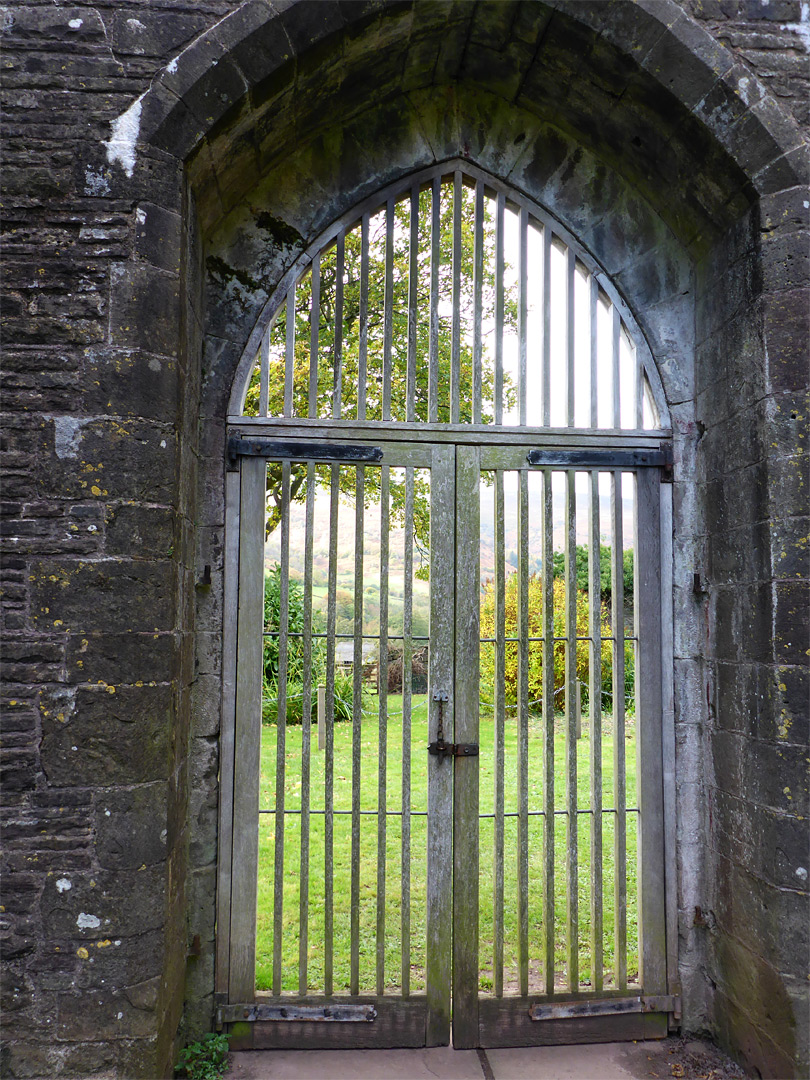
(119, 351)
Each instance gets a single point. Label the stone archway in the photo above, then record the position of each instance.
(304, 142)
(671, 164)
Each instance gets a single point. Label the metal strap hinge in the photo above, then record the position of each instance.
(343, 1014)
(570, 1010)
(648, 457)
(297, 450)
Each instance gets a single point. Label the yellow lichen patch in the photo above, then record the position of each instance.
(82, 953)
(103, 944)
(95, 490)
(110, 689)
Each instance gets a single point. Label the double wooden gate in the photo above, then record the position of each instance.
(480, 857)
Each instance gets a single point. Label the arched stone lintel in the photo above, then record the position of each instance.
(254, 44)
(250, 252)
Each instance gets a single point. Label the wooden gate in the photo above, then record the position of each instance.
(444, 806)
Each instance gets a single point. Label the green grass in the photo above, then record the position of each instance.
(394, 899)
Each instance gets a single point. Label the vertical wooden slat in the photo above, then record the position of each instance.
(478, 291)
(465, 715)
(407, 616)
(570, 337)
(523, 290)
(226, 742)
(388, 309)
(546, 325)
(264, 374)
(289, 351)
(455, 333)
(306, 734)
(595, 726)
(440, 772)
(652, 936)
(281, 727)
(547, 552)
(668, 752)
(329, 749)
(594, 352)
(314, 329)
(357, 721)
(413, 295)
(500, 203)
(617, 388)
(619, 788)
(435, 258)
(362, 347)
(571, 830)
(337, 395)
(639, 389)
(382, 724)
(500, 717)
(523, 732)
(247, 743)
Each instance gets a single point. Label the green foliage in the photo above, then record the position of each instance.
(376, 392)
(535, 630)
(604, 569)
(206, 1059)
(344, 697)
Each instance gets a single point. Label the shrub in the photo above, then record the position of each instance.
(535, 630)
(206, 1059)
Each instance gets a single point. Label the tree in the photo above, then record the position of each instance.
(348, 348)
(582, 570)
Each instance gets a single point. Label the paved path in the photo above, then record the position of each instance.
(602, 1061)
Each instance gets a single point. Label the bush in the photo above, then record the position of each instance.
(535, 629)
(206, 1059)
(344, 697)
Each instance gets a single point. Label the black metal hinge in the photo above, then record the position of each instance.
(650, 457)
(297, 450)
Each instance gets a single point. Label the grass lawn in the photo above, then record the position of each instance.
(393, 845)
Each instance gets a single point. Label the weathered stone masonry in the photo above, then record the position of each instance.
(164, 162)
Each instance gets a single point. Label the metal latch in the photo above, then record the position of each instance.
(445, 749)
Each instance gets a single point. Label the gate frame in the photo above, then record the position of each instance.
(471, 437)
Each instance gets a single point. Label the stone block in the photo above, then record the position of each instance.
(134, 595)
(687, 61)
(145, 308)
(124, 657)
(158, 236)
(131, 827)
(791, 621)
(256, 40)
(786, 327)
(158, 34)
(145, 532)
(208, 82)
(104, 904)
(101, 1015)
(114, 736)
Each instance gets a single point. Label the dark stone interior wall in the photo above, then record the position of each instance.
(112, 506)
(753, 474)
